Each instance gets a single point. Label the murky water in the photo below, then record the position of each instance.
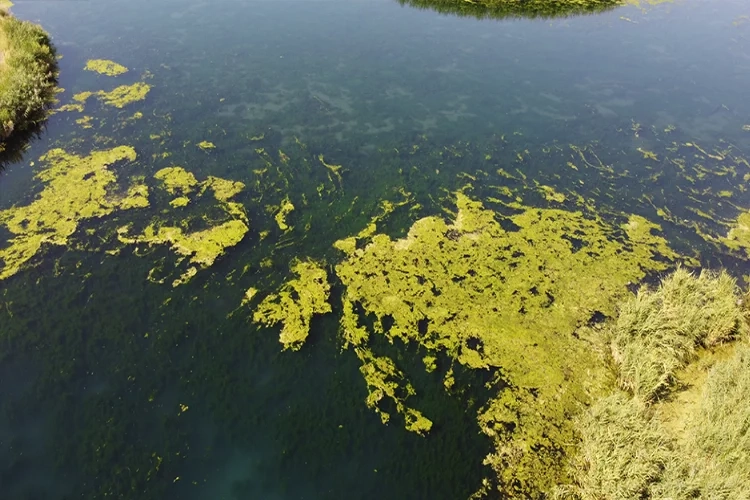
(114, 385)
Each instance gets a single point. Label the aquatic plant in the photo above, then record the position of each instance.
(296, 303)
(497, 299)
(105, 67)
(75, 188)
(119, 97)
(28, 75)
(201, 248)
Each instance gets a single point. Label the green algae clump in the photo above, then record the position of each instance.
(105, 67)
(75, 188)
(201, 248)
(206, 145)
(738, 237)
(125, 94)
(284, 210)
(296, 303)
(509, 301)
(118, 97)
(177, 180)
(137, 196)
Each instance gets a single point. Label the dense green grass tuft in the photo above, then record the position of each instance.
(28, 75)
(658, 331)
(660, 439)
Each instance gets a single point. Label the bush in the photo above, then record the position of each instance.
(623, 450)
(28, 75)
(693, 444)
(658, 331)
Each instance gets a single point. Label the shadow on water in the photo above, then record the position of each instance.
(13, 149)
(489, 9)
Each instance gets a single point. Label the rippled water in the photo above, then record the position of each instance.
(96, 361)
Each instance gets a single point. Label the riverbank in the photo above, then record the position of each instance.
(28, 76)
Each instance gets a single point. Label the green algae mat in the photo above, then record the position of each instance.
(484, 264)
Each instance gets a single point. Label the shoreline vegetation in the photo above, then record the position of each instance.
(28, 80)
(501, 9)
(676, 425)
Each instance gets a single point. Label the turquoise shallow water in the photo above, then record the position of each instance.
(96, 361)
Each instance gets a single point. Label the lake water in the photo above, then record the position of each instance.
(112, 385)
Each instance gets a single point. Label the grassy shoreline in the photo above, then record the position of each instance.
(28, 76)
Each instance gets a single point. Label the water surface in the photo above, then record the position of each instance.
(96, 361)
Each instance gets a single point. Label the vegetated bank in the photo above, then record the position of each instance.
(499, 9)
(28, 77)
(677, 424)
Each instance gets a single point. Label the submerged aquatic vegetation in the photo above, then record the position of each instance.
(694, 442)
(75, 188)
(105, 67)
(296, 303)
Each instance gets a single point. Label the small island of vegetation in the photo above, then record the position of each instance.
(28, 77)
(500, 9)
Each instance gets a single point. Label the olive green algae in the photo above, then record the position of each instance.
(105, 67)
(201, 248)
(509, 301)
(76, 188)
(118, 97)
(296, 303)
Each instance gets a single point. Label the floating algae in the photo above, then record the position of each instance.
(508, 300)
(85, 122)
(105, 67)
(206, 145)
(201, 248)
(137, 196)
(177, 180)
(75, 188)
(284, 210)
(125, 94)
(296, 303)
(118, 97)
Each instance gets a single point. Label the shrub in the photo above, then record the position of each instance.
(28, 75)
(658, 331)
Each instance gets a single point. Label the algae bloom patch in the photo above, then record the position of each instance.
(296, 303)
(508, 301)
(200, 247)
(75, 188)
(105, 67)
(119, 97)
